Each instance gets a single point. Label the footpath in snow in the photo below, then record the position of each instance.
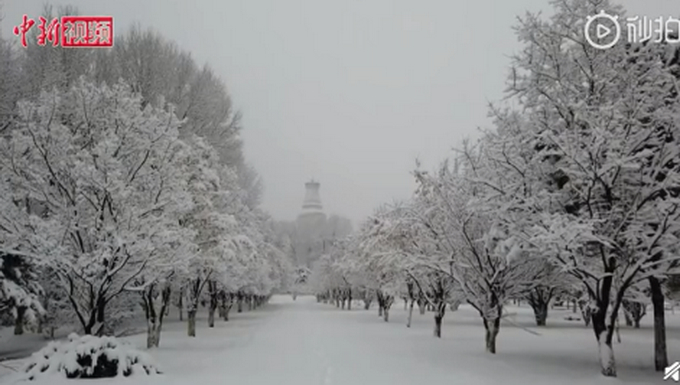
(305, 343)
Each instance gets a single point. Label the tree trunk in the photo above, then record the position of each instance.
(225, 306)
(157, 337)
(19, 320)
(151, 334)
(438, 317)
(607, 362)
(211, 316)
(180, 305)
(387, 303)
(660, 353)
(154, 315)
(214, 301)
(191, 325)
(627, 317)
(239, 303)
(540, 313)
(421, 307)
(226, 311)
(633, 312)
(101, 310)
(539, 299)
(410, 314)
(604, 334)
(586, 312)
(492, 328)
(194, 295)
(220, 308)
(164, 310)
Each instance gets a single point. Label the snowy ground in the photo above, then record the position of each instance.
(305, 343)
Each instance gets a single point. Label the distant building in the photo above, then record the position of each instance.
(313, 231)
(309, 227)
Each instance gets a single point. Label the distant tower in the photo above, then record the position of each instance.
(312, 202)
(310, 225)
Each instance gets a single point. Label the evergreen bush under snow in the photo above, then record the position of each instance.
(90, 357)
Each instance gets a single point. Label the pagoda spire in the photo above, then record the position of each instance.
(312, 200)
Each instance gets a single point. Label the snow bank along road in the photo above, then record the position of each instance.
(304, 343)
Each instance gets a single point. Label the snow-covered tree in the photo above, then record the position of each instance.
(376, 253)
(300, 278)
(9, 82)
(635, 303)
(217, 237)
(157, 68)
(91, 188)
(411, 237)
(59, 313)
(551, 282)
(602, 130)
(485, 258)
(20, 290)
(44, 68)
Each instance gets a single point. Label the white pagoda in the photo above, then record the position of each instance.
(310, 226)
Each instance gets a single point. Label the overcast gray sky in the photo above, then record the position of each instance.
(349, 92)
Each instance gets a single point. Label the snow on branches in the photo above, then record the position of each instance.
(19, 290)
(93, 190)
(601, 133)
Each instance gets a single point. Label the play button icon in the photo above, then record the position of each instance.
(604, 28)
(602, 31)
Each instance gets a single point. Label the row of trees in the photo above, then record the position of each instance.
(123, 182)
(575, 192)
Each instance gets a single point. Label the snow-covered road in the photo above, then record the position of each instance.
(302, 342)
(311, 344)
(305, 343)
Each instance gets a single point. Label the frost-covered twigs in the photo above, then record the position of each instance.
(99, 189)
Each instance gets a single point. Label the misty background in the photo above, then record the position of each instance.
(349, 93)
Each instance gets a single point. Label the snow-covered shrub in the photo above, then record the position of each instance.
(89, 357)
